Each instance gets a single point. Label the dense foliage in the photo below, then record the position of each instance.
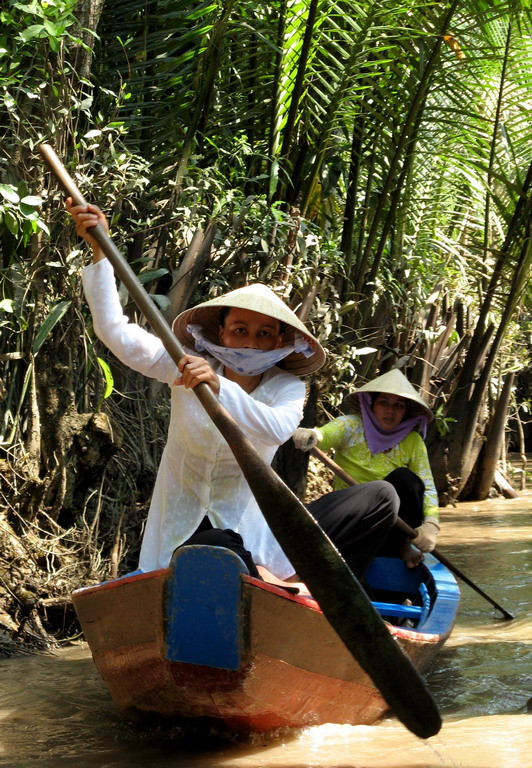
(370, 160)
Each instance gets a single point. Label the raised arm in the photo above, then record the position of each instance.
(272, 422)
(131, 344)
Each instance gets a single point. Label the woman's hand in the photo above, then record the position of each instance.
(306, 439)
(195, 370)
(427, 533)
(85, 217)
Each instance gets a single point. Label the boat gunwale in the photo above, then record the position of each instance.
(434, 570)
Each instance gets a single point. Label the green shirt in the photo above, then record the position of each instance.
(345, 436)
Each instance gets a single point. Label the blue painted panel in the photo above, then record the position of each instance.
(392, 574)
(204, 607)
(444, 614)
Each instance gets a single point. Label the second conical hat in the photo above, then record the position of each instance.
(395, 383)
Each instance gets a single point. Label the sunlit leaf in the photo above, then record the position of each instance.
(7, 305)
(34, 31)
(9, 193)
(108, 376)
(32, 200)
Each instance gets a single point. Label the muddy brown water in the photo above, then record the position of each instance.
(55, 712)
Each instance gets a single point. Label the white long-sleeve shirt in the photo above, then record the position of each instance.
(198, 474)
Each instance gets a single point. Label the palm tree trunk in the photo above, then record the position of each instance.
(489, 456)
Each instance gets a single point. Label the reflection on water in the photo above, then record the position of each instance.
(55, 712)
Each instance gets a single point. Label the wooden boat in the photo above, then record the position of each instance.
(204, 641)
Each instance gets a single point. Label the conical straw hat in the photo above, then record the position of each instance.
(395, 383)
(258, 298)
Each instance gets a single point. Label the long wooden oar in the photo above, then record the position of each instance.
(411, 532)
(318, 563)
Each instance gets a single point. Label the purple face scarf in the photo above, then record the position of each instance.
(380, 440)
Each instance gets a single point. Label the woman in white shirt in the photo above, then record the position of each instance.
(200, 494)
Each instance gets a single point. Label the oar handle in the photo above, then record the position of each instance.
(126, 274)
(343, 475)
(457, 572)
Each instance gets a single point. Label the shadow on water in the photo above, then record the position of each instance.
(55, 711)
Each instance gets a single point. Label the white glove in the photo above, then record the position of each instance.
(306, 439)
(427, 533)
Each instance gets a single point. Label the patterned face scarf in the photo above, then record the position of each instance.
(380, 440)
(248, 362)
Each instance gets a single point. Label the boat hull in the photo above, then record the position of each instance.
(202, 640)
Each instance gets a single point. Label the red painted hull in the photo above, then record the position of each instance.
(294, 670)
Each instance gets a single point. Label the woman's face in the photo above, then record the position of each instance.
(389, 410)
(245, 329)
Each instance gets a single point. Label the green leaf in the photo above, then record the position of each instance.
(42, 225)
(51, 321)
(151, 274)
(32, 200)
(28, 211)
(11, 222)
(163, 302)
(52, 28)
(31, 32)
(9, 192)
(108, 376)
(29, 228)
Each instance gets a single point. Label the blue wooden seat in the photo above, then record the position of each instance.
(399, 611)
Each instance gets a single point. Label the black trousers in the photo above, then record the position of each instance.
(217, 537)
(410, 489)
(357, 520)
